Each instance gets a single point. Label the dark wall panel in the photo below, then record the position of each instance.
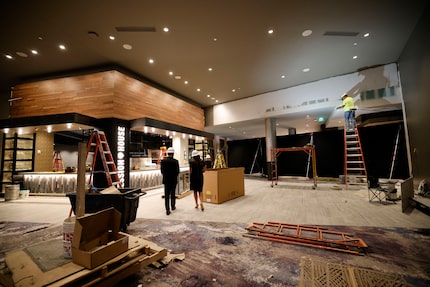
(378, 144)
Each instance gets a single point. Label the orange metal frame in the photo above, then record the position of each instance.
(307, 235)
(309, 149)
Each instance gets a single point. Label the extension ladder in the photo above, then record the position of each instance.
(98, 148)
(307, 235)
(354, 165)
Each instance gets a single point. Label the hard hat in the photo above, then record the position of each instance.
(170, 150)
(344, 95)
(194, 153)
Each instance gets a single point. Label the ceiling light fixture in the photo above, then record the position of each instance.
(198, 89)
(282, 76)
(166, 29)
(170, 73)
(34, 52)
(177, 77)
(270, 31)
(307, 33)
(127, 46)
(233, 90)
(186, 82)
(151, 61)
(366, 35)
(208, 96)
(21, 54)
(210, 69)
(305, 70)
(62, 47)
(111, 37)
(8, 56)
(355, 57)
(215, 39)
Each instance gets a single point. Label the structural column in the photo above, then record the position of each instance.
(270, 128)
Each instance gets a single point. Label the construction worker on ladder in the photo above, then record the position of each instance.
(348, 111)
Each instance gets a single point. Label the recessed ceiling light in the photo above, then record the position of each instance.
(170, 73)
(34, 52)
(355, 57)
(210, 69)
(216, 101)
(166, 29)
(305, 70)
(186, 82)
(21, 54)
(355, 44)
(62, 47)
(208, 96)
(151, 61)
(212, 98)
(177, 77)
(282, 76)
(233, 90)
(270, 31)
(198, 89)
(40, 38)
(307, 33)
(366, 35)
(8, 56)
(112, 37)
(127, 46)
(215, 39)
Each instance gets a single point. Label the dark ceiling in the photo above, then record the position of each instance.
(228, 36)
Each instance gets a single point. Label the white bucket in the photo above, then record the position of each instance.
(68, 229)
(11, 192)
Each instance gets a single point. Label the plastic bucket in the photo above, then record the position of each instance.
(68, 229)
(11, 192)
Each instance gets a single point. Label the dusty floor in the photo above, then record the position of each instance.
(217, 254)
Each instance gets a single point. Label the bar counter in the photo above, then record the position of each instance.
(65, 182)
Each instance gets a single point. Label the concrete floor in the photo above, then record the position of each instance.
(291, 201)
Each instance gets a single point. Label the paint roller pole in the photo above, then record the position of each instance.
(309, 156)
(80, 186)
(395, 152)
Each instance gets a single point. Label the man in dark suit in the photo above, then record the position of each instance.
(170, 172)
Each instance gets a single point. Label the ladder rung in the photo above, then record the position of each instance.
(354, 161)
(113, 172)
(354, 168)
(354, 154)
(352, 142)
(352, 148)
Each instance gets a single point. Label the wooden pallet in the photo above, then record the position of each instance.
(26, 272)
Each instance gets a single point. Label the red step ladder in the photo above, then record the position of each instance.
(98, 147)
(57, 162)
(354, 165)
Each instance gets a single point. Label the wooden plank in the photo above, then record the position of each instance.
(25, 272)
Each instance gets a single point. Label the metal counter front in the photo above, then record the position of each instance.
(61, 183)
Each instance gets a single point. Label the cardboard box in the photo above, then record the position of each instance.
(97, 239)
(223, 184)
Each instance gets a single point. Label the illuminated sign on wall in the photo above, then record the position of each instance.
(121, 154)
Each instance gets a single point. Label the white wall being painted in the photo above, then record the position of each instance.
(323, 94)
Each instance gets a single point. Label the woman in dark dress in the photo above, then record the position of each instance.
(197, 168)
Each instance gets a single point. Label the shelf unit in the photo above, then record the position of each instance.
(17, 156)
(204, 147)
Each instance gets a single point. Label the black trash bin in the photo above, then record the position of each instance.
(127, 203)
